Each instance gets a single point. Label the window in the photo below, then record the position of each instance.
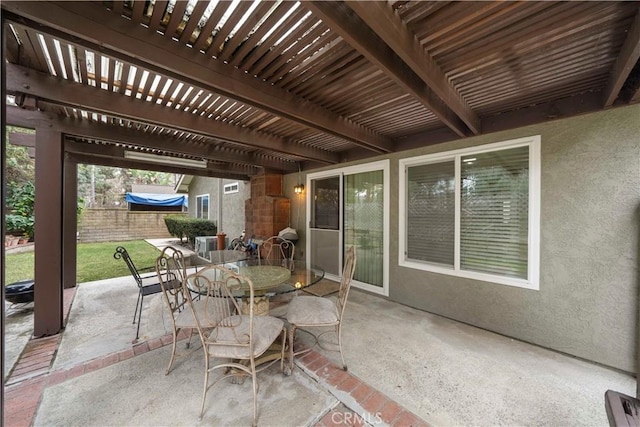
(474, 212)
(202, 206)
(231, 188)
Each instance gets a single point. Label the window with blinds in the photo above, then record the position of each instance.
(202, 206)
(474, 212)
(494, 212)
(431, 213)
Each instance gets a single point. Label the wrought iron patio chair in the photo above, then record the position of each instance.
(312, 311)
(277, 251)
(148, 283)
(171, 270)
(237, 340)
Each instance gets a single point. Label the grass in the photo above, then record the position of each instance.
(95, 261)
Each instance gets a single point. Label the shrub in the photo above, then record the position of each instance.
(186, 227)
(20, 204)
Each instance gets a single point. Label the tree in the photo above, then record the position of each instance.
(104, 187)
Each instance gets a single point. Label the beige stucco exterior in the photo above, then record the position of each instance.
(587, 304)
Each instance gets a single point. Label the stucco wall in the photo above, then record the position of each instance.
(229, 219)
(587, 304)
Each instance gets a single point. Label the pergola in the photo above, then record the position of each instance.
(279, 86)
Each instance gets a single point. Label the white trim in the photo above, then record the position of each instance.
(533, 262)
(200, 196)
(229, 188)
(385, 166)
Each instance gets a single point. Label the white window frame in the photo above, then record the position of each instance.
(385, 167)
(231, 188)
(533, 262)
(199, 197)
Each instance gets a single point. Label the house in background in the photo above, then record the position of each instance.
(219, 200)
(258, 206)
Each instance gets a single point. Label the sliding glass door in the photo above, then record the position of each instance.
(347, 208)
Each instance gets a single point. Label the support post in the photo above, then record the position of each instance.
(48, 232)
(70, 223)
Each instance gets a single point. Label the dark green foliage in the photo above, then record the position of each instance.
(20, 204)
(186, 227)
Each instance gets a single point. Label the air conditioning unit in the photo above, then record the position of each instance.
(206, 243)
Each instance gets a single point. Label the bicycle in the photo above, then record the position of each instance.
(238, 244)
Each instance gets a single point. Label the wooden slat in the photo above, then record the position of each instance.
(159, 9)
(112, 74)
(217, 43)
(250, 60)
(283, 66)
(195, 16)
(156, 93)
(260, 68)
(135, 86)
(53, 55)
(202, 42)
(240, 56)
(176, 18)
(168, 96)
(389, 28)
(97, 69)
(243, 32)
(66, 59)
(137, 14)
(124, 78)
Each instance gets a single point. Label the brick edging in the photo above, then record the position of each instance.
(371, 406)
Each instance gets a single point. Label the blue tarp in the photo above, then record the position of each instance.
(157, 199)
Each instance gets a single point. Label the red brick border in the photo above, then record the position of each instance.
(31, 375)
(374, 407)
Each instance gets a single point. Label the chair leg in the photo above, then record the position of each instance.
(173, 350)
(139, 317)
(206, 381)
(339, 332)
(282, 350)
(135, 313)
(254, 381)
(292, 334)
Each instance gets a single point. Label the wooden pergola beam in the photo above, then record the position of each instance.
(22, 139)
(625, 62)
(114, 152)
(135, 164)
(104, 132)
(66, 93)
(390, 55)
(113, 36)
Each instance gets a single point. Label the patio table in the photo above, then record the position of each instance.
(268, 280)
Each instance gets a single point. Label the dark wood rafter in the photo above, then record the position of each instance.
(62, 92)
(388, 26)
(345, 21)
(629, 55)
(129, 42)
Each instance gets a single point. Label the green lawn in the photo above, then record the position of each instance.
(95, 261)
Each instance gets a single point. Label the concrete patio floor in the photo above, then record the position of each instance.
(406, 367)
